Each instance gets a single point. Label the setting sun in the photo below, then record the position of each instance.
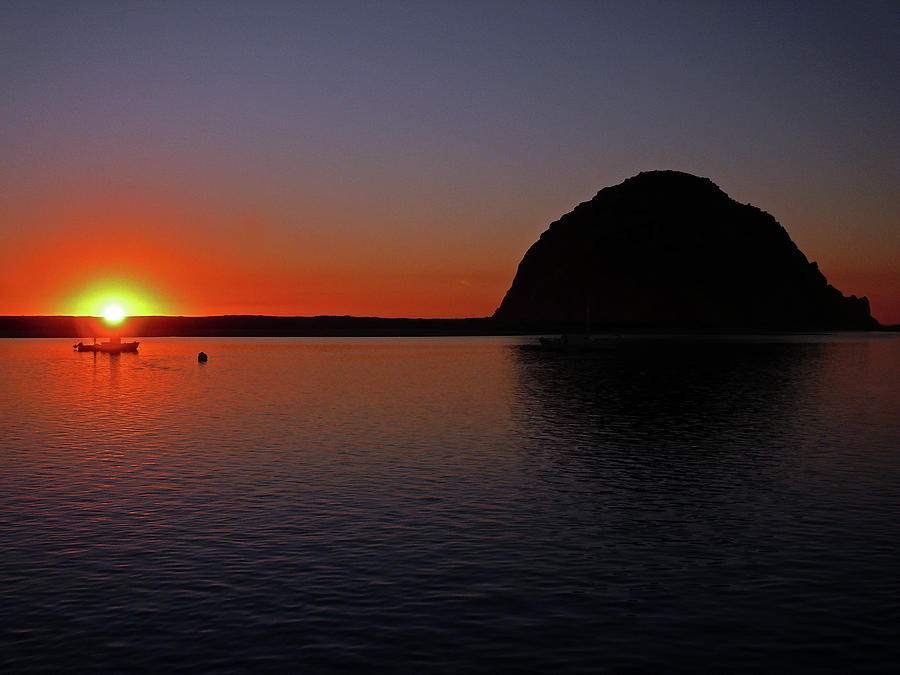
(104, 292)
(113, 314)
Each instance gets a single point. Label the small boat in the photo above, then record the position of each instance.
(573, 343)
(114, 346)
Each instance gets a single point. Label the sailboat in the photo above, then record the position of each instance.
(575, 342)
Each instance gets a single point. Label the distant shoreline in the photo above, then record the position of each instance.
(237, 326)
(327, 326)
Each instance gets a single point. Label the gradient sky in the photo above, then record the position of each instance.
(397, 159)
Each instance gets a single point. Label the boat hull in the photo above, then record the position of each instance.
(108, 348)
(119, 348)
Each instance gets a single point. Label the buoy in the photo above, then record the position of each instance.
(202, 357)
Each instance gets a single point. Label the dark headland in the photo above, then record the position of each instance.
(669, 250)
(662, 251)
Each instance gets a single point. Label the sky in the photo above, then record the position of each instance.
(399, 158)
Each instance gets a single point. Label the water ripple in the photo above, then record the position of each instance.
(450, 505)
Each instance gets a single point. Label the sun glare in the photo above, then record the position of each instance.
(105, 295)
(113, 314)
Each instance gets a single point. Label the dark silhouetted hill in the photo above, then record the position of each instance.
(666, 249)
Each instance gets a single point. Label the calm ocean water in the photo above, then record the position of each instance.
(451, 505)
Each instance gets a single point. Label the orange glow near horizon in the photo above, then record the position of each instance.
(176, 282)
(167, 269)
(167, 259)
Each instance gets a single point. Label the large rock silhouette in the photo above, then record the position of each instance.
(666, 249)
